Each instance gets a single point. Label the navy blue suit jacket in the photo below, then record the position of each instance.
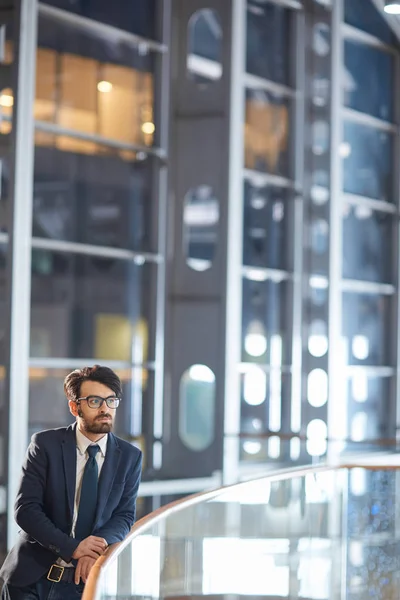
(45, 502)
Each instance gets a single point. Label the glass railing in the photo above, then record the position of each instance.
(318, 533)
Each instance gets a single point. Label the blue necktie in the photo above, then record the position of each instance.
(88, 500)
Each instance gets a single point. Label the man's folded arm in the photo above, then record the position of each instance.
(123, 517)
(29, 513)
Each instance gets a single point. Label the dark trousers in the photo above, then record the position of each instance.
(43, 590)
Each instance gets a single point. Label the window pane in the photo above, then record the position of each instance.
(265, 323)
(364, 15)
(197, 407)
(97, 198)
(268, 37)
(367, 166)
(366, 322)
(267, 132)
(266, 226)
(48, 407)
(204, 52)
(84, 306)
(367, 244)
(368, 401)
(136, 17)
(200, 227)
(368, 80)
(94, 86)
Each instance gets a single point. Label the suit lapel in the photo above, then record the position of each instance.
(107, 474)
(69, 459)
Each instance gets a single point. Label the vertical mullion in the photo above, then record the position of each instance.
(233, 298)
(298, 206)
(335, 370)
(395, 387)
(19, 276)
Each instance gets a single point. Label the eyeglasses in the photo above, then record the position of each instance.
(97, 401)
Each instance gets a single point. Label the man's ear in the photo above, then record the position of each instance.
(73, 408)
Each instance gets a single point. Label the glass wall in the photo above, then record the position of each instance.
(369, 208)
(96, 254)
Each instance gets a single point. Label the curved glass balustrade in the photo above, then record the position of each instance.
(318, 533)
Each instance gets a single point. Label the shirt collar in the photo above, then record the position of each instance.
(83, 442)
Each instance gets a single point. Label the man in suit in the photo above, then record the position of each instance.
(77, 494)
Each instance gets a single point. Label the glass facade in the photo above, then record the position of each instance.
(134, 150)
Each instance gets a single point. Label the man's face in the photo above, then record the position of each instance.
(94, 420)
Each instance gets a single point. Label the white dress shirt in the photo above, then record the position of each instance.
(82, 444)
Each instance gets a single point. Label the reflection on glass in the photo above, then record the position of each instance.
(367, 244)
(365, 15)
(136, 17)
(265, 321)
(48, 407)
(94, 86)
(368, 80)
(318, 338)
(321, 91)
(268, 37)
(98, 199)
(204, 51)
(317, 433)
(84, 306)
(197, 407)
(366, 329)
(367, 168)
(200, 227)
(317, 388)
(321, 39)
(368, 402)
(262, 408)
(319, 236)
(320, 130)
(265, 225)
(267, 132)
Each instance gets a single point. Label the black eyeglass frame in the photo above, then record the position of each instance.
(106, 400)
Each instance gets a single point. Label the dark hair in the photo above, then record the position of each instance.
(104, 375)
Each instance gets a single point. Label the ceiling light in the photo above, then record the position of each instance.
(148, 128)
(6, 100)
(104, 86)
(392, 7)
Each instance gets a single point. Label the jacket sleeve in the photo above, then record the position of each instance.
(29, 505)
(123, 517)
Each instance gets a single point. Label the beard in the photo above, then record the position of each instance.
(95, 426)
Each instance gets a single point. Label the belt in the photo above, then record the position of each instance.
(57, 574)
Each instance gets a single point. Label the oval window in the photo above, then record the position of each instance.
(197, 407)
(200, 227)
(204, 50)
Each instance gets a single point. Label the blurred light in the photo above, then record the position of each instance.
(358, 481)
(362, 212)
(278, 211)
(316, 437)
(148, 128)
(6, 100)
(255, 386)
(392, 7)
(201, 373)
(359, 426)
(317, 388)
(345, 149)
(359, 384)
(295, 448)
(257, 202)
(104, 86)
(274, 447)
(360, 347)
(255, 341)
(252, 447)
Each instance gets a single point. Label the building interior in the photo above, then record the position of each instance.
(190, 195)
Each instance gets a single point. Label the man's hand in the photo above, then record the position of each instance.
(90, 547)
(83, 568)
